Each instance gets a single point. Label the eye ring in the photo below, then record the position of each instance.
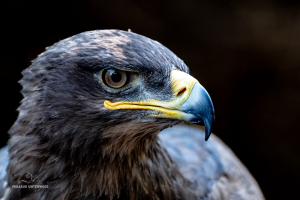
(114, 78)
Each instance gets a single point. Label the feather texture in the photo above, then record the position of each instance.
(211, 168)
(4, 158)
(66, 139)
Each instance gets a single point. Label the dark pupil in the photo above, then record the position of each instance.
(116, 77)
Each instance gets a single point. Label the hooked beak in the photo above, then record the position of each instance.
(190, 102)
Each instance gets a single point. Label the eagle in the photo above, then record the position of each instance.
(109, 114)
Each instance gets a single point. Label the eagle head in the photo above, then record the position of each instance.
(99, 95)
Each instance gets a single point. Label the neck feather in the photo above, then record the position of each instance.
(132, 164)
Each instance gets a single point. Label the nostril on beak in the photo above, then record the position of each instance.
(181, 92)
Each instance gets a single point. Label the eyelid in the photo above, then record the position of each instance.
(125, 69)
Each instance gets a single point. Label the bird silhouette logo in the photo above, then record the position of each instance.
(29, 178)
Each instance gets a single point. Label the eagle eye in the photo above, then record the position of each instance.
(114, 78)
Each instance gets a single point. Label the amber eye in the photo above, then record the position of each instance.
(115, 78)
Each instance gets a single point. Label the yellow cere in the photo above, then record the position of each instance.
(181, 84)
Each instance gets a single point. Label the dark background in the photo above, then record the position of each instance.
(245, 53)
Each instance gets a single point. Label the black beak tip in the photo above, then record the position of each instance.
(207, 133)
(206, 136)
(207, 123)
(208, 128)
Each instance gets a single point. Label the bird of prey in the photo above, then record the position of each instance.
(95, 123)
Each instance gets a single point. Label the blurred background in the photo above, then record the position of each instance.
(245, 53)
